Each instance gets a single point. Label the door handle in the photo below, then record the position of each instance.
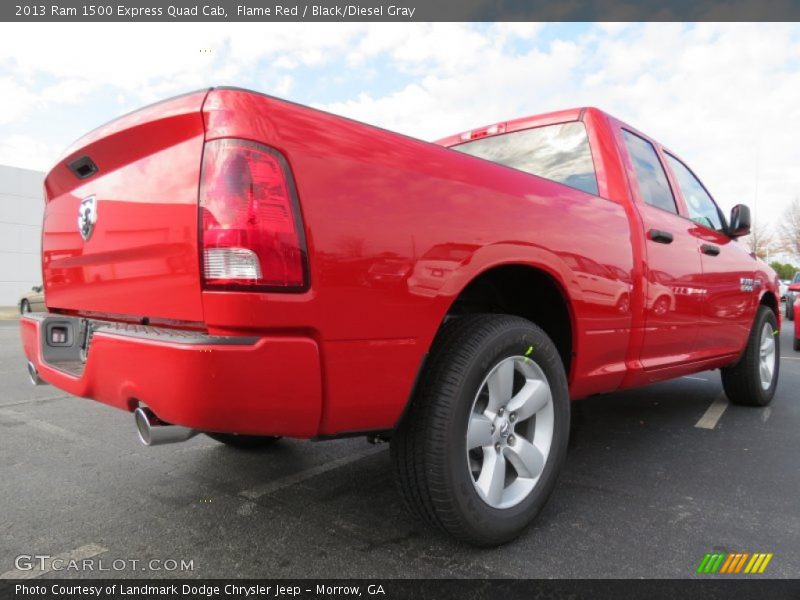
(660, 236)
(710, 249)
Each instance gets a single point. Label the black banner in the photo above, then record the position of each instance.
(401, 10)
(394, 589)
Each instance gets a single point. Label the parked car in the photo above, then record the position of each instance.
(797, 330)
(791, 296)
(251, 268)
(33, 302)
(784, 287)
(794, 288)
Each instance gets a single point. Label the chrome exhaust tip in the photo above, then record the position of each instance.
(154, 432)
(33, 375)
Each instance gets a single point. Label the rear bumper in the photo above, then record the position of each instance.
(256, 385)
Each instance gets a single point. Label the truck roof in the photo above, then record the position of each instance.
(551, 118)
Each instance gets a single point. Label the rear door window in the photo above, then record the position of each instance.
(650, 176)
(702, 208)
(557, 152)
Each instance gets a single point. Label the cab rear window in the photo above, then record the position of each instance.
(557, 152)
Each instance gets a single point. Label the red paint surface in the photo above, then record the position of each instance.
(395, 229)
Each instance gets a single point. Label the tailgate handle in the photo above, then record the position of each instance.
(662, 237)
(82, 167)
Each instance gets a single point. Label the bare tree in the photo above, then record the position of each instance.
(789, 229)
(760, 240)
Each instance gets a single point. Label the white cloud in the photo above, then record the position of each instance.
(284, 85)
(15, 100)
(482, 84)
(119, 54)
(726, 97)
(26, 152)
(154, 59)
(67, 91)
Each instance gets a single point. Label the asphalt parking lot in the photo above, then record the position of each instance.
(646, 493)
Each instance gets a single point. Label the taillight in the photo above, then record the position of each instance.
(250, 228)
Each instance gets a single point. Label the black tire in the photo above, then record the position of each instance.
(24, 307)
(661, 306)
(797, 344)
(790, 310)
(244, 442)
(429, 446)
(742, 381)
(624, 303)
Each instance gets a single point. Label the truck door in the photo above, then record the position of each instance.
(728, 270)
(674, 294)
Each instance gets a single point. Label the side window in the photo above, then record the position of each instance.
(594, 268)
(557, 152)
(701, 207)
(653, 185)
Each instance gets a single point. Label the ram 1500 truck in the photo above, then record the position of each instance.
(230, 263)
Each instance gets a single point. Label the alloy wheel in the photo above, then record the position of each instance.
(510, 432)
(767, 356)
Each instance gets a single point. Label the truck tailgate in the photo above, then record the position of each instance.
(123, 240)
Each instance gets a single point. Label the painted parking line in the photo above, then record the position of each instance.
(18, 370)
(40, 568)
(35, 400)
(284, 482)
(713, 413)
(42, 425)
(790, 357)
(696, 378)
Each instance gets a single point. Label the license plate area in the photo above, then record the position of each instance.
(65, 343)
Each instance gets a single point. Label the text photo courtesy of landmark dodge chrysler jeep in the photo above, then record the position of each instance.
(229, 263)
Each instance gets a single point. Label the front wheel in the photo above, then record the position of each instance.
(752, 380)
(486, 434)
(790, 310)
(24, 307)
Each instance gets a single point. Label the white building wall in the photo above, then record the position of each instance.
(21, 210)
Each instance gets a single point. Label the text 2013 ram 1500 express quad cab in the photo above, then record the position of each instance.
(230, 263)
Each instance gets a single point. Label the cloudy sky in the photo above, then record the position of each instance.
(725, 97)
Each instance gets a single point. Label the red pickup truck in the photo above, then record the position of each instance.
(230, 263)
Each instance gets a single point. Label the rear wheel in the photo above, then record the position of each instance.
(797, 344)
(752, 380)
(790, 310)
(483, 442)
(244, 442)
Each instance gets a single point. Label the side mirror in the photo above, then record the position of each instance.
(37, 288)
(740, 221)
